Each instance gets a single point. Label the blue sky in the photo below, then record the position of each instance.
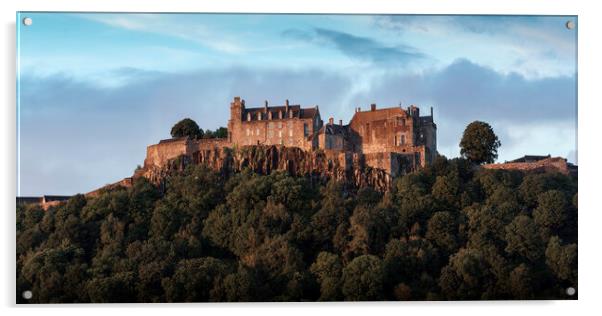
(96, 89)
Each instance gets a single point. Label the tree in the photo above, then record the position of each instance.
(479, 143)
(186, 127)
(550, 213)
(562, 259)
(521, 282)
(363, 279)
(523, 238)
(467, 276)
(328, 269)
(194, 280)
(442, 230)
(221, 132)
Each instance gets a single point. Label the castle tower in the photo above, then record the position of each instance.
(237, 108)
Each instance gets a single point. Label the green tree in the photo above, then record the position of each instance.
(194, 280)
(186, 127)
(479, 143)
(363, 279)
(467, 276)
(117, 288)
(328, 270)
(523, 239)
(562, 260)
(442, 229)
(551, 211)
(56, 274)
(521, 282)
(332, 213)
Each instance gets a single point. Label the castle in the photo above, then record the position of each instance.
(395, 139)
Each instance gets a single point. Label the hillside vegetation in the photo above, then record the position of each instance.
(451, 231)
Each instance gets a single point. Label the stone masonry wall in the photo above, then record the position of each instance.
(548, 164)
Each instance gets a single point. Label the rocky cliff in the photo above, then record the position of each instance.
(315, 165)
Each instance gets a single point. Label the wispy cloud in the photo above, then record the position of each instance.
(183, 27)
(535, 46)
(358, 47)
(521, 110)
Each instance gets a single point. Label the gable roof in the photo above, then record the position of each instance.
(298, 112)
(378, 114)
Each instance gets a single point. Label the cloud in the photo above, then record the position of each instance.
(464, 91)
(534, 46)
(179, 26)
(357, 47)
(75, 137)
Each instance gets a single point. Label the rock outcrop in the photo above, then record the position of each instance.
(315, 165)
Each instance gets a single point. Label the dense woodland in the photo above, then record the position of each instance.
(451, 231)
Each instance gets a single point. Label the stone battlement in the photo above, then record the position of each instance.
(548, 163)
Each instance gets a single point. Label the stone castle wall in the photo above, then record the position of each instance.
(549, 164)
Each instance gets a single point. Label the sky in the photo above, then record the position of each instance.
(94, 89)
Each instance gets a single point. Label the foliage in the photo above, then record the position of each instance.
(479, 143)
(449, 231)
(186, 127)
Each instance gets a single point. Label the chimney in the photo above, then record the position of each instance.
(373, 107)
(341, 122)
(266, 105)
(359, 109)
(330, 121)
(286, 102)
(431, 112)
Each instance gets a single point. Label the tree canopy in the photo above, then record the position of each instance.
(479, 143)
(186, 127)
(446, 232)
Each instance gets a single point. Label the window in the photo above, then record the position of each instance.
(248, 132)
(259, 116)
(280, 134)
(249, 117)
(290, 133)
(257, 132)
(403, 140)
(305, 130)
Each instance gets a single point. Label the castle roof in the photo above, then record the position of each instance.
(378, 114)
(333, 129)
(530, 158)
(296, 109)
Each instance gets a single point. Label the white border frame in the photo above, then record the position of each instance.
(589, 109)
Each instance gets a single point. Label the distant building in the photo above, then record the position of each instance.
(45, 201)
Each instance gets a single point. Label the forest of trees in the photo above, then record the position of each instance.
(452, 231)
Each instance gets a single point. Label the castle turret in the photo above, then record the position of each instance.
(237, 108)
